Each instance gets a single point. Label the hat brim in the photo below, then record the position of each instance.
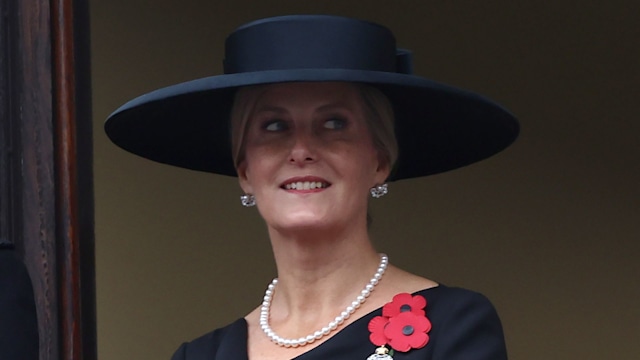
(438, 127)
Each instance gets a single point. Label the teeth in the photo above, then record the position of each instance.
(305, 185)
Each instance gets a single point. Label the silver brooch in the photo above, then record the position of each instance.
(382, 353)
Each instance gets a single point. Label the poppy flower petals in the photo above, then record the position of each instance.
(376, 327)
(404, 302)
(403, 324)
(404, 344)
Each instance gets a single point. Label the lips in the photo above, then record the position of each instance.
(299, 184)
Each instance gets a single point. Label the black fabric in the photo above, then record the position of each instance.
(285, 43)
(18, 321)
(464, 326)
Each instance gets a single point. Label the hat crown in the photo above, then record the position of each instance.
(312, 42)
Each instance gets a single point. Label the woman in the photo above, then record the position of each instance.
(322, 111)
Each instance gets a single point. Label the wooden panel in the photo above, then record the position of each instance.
(31, 98)
(46, 205)
(7, 133)
(72, 119)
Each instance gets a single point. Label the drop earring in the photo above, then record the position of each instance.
(379, 191)
(248, 200)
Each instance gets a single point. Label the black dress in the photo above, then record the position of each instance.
(464, 325)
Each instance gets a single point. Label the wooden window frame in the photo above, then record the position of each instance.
(46, 191)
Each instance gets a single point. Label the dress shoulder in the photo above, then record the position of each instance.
(208, 346)
(468, 326)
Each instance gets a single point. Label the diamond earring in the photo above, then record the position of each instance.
(379, 191)
(248, 200)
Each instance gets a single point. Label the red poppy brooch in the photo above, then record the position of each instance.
(403, 326)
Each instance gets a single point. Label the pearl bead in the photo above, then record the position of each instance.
(350, 309)
(333, 325)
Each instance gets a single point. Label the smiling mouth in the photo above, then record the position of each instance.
(306, 185)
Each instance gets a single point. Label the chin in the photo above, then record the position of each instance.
(302, 221)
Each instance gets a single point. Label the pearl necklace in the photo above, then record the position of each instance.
(333, 325)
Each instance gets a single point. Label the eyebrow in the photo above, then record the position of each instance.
(271, 108)
(334, 106)
(330, 106)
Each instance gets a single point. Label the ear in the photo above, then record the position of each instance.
(383, 171)
(243, 179)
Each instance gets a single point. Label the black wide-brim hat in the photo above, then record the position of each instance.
(438, 127)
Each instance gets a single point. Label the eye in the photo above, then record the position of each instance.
(275, 125)
(335, 124)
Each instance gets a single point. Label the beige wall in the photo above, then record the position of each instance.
(548, 230)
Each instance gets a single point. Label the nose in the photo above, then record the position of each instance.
(304, 148)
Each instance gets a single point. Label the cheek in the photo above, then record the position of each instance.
(252, 154)
(251, 170)
(259, 165)
(368, 156)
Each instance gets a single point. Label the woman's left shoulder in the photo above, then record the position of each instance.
(465, 324)
(452, 293)
(440, 297)
(448, 299)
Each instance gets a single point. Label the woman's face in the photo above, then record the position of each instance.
(309, 157)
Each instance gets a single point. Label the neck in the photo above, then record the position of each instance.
(307, 258)
(319, 275)
(331, 326)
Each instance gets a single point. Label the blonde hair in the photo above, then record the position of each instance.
(244, 102)
(378, 115)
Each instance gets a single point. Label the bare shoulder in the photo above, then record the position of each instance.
(253, 318)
